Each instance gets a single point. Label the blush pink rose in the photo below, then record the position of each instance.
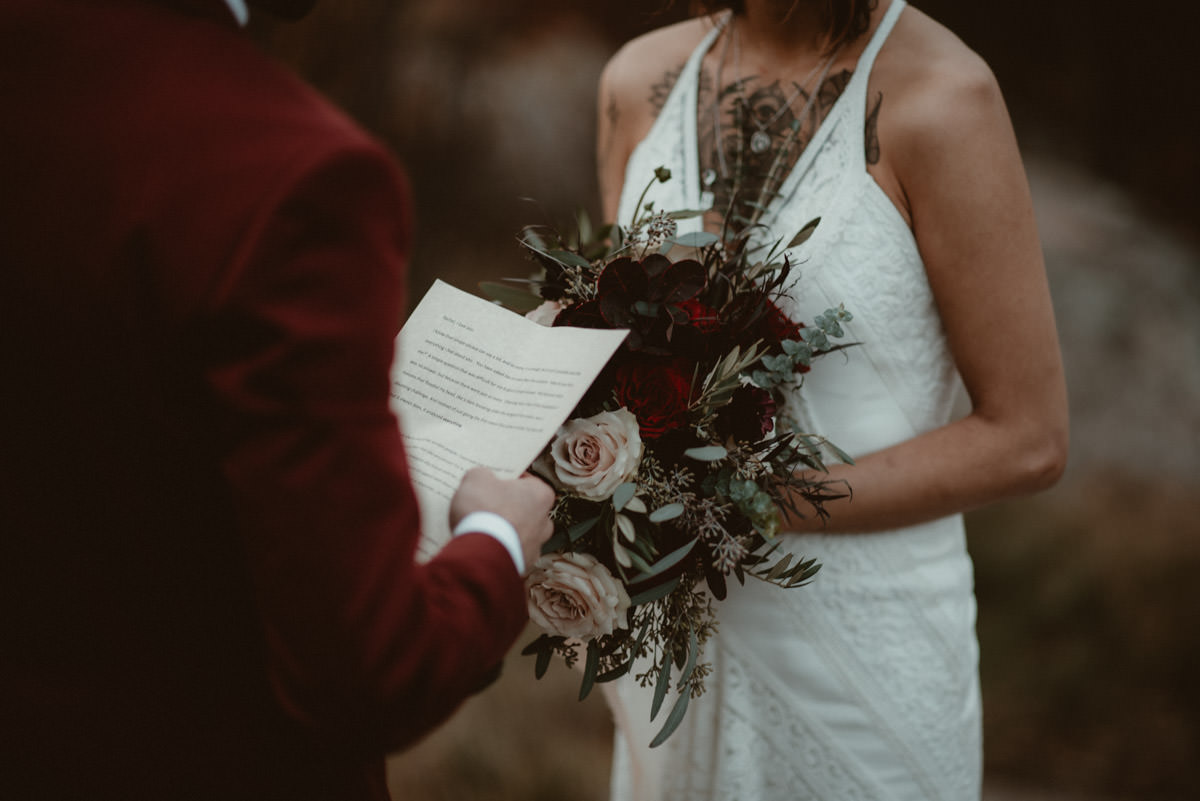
(592, 456)
(574, 595)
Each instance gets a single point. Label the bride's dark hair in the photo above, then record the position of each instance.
(845, 20)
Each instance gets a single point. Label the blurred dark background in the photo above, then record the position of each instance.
(1089, 609)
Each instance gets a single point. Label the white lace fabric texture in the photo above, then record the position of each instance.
(864, 684)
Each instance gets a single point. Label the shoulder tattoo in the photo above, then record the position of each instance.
(871, 134)
(660, 89)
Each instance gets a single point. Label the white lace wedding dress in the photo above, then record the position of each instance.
(864, 684)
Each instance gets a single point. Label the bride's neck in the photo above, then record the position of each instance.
(781, 29)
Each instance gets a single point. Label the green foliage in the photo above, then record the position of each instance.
(673, 533)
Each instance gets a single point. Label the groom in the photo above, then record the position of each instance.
(207, 529)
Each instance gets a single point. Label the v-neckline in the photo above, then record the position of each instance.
(811, 148)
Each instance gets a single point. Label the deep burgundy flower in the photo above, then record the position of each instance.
(700, 316)
(749, 416)
(644, 297)
(582, 315)
(656, 392)
(778, 326)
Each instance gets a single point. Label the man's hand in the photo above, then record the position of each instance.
(524, 502)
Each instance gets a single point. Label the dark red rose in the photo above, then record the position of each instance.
(657, 393)
(701, 317)
(778, 325)
(749, 416)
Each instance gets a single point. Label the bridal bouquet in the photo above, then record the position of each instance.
(671, 473)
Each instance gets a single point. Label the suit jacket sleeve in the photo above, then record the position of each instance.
(363, 644)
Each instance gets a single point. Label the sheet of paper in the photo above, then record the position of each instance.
(476, 384)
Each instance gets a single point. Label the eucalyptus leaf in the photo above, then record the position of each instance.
(543, 663)
(777, 364)
(831, 326)
(557, 543)
(804, 233)
(673, 720)
(660, 688)
(666, 563)
(518, 300)
(543, 642)
(654, 593)
(626, 528)
(568, 258)
(763, 379)
(839, 453)
(641, 639)
(696, 239)
(637, 505)
(685, 214)
(531, 238)
(639, 564)
(716, 582)
(798, 350)
(585, 225)
(815, 337)
(622, 494)
(583, 527)
(621, 555)
(707, 453)
(693, 656)
(780, 567)
(589, 670)
(664, 513)
(615, 673)
(801, 577)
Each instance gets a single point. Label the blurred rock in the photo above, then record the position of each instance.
(1127, 295)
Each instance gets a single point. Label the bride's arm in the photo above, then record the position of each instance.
(611, 150)
(955, 160)
(632, 87)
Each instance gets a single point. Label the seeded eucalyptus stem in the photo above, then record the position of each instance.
(661, 175)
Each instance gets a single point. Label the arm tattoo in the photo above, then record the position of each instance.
(829, 92)
(871, 135)
(660, 89)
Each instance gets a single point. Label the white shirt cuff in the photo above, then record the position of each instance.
(496, 526)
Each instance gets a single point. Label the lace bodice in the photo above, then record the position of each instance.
(862, 255)
(862, 685)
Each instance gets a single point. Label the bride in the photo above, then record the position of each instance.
(864, 684)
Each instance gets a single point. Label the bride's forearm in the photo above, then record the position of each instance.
(962, 466)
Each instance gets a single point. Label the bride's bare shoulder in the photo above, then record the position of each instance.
(643, 71)
(922, 56)
(933, 84)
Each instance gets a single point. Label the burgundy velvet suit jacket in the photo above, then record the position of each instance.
(207, 587)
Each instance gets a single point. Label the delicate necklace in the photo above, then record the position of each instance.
(710, 175)
(760, 140)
